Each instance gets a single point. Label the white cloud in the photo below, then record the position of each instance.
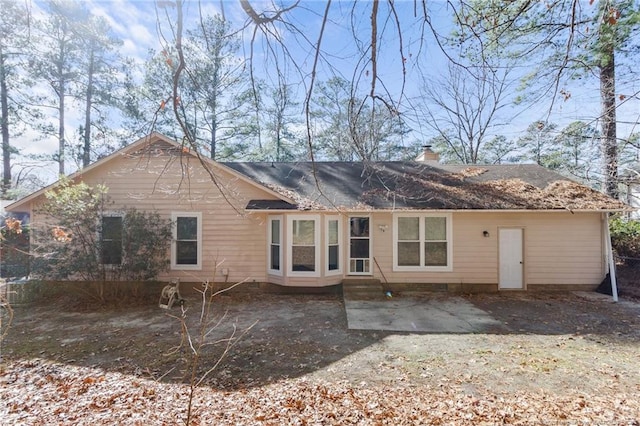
(140, 40)
(132, 22)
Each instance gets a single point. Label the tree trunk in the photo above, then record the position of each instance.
(4, 124)
(214, 126)
(213, 104)
(61, 142)
(278, 141)
(86, 150)
(608, 99)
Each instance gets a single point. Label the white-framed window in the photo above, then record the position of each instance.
(111, 251)
(422, 242)
(186, 245)
(360, 245)
(333, 239)
(274, 241)
(303, 237)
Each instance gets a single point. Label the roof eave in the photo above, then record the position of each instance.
(372, 210)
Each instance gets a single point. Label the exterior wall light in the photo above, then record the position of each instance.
(485, 234)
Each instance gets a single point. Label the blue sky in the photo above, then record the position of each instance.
(137, 23)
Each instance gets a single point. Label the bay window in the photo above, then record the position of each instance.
(303, 239)
(333, 238)
(275, 245)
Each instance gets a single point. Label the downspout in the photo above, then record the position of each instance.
(609, 253)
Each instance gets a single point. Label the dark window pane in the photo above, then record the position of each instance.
(187, 252)
(409, 254)
(435, 254)
(112, 252)
(275, 231)
(333, 258)
(275, 257)
(359, 227)
(360, 248)
(187, 228)
(111, 240)
(112, 228)
(303, 258)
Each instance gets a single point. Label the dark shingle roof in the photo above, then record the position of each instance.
(270, 205)
(415, 185)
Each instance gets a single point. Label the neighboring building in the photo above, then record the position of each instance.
(630, 179)
(434, 226)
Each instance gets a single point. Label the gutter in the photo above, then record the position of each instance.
(348, 211)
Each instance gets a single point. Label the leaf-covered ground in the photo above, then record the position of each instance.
(42, 393)
(565, 360)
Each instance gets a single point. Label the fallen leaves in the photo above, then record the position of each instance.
(303, 367)
(43, 392)
(428, 189)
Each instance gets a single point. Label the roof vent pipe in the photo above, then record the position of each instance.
(428, 155)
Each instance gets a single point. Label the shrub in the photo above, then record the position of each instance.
(625, 237)
(76, 241)
(14, 253)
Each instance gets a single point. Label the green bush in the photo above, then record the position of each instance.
(625, 237)
(76, 241)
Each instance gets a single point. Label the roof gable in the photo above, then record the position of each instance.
(154, 144)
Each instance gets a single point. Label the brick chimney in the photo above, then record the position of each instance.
(428, 155)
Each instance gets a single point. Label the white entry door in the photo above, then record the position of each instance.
(511, 258)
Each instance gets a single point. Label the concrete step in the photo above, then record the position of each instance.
(364, 282)
(366, 288)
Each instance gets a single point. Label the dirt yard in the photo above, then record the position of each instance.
(559, 359)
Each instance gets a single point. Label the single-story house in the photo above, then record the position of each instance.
(418, 223)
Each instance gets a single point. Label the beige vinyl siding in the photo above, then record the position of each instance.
(568, 251)
(230, 237)
(560, 248)
(381, 243)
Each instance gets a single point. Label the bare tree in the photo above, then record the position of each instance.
(463, 108)
(560, 41)
(558, 35)
(275, 26)
(195, 341)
